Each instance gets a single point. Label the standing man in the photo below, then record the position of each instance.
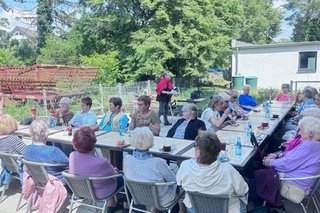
(164, 95)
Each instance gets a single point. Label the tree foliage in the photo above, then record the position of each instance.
(305, 19)
(261, 23)
(108, 67)
(7, 58)
(61, 51)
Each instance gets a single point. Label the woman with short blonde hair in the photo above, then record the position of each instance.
(217, 115)
(9, 142)
(7, 125)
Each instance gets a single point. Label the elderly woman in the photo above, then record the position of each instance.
(302, 161)
(83, 162)
(63, 114)
(217, 115)
(206, 174)
(38, 151)
(145, 116)
(114, 119)
(85, 117)
(9, 143)
(143, 167)
(233, 103)
(285, 95)
(189, 125)
(307, 99)
(246, 101)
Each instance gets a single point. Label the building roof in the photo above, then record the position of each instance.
(25, 31)
(242, 45)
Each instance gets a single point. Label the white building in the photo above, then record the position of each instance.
(275, 64)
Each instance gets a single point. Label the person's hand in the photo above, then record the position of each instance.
(272, 156)
(116, 170)
(266, 161)
(227, 111)
(285, 144)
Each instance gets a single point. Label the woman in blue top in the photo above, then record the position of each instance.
(246, 101)
(38, 151)
(113, 120)
(85, 117)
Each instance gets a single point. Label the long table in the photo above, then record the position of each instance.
(183, 149)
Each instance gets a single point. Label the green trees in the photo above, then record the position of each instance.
(138, 39)
(305, 19)
(261, 22)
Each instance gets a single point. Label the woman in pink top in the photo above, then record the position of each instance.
(285, 95)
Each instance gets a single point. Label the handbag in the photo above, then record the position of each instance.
(292, 192)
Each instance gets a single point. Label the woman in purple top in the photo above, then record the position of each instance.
(302, 161)
(83, 162)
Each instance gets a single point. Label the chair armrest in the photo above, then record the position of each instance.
(106, 177)
(165, 184)
(301, 178)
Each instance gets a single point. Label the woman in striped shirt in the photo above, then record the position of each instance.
(9, 143)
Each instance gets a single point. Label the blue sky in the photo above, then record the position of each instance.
(30, 5)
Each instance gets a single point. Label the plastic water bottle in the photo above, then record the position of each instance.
(267, 111)
(238, 150)
(52, 123)
(249, 129)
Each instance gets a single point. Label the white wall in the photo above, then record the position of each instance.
(274, 66)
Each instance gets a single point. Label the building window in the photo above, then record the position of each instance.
(307, 61)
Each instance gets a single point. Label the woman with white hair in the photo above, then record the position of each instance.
(189, 125)
(143, 167)
(38, 151)
(216, 116)
(63, 114)
(246, 101)
(302, 161)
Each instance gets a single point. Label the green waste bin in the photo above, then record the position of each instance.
(237, 81)
(252, 81)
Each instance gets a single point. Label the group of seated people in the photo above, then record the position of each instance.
(203, 173)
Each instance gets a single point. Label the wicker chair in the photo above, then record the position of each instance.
(205, 203)
(313, 195)
(146, 194)
(11, 163)
(83, 191)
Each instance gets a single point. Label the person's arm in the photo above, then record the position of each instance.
(219, 121)
(124, 122)
(91, 119)
(155, 128)
(132, 123)
(60, 157)
(166, 172)
(240, 186)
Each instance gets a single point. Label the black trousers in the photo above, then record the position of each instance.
(163, 110)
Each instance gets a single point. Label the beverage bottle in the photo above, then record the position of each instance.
(267, 111)
(52, 122)
(238, 150)
(249, 129)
